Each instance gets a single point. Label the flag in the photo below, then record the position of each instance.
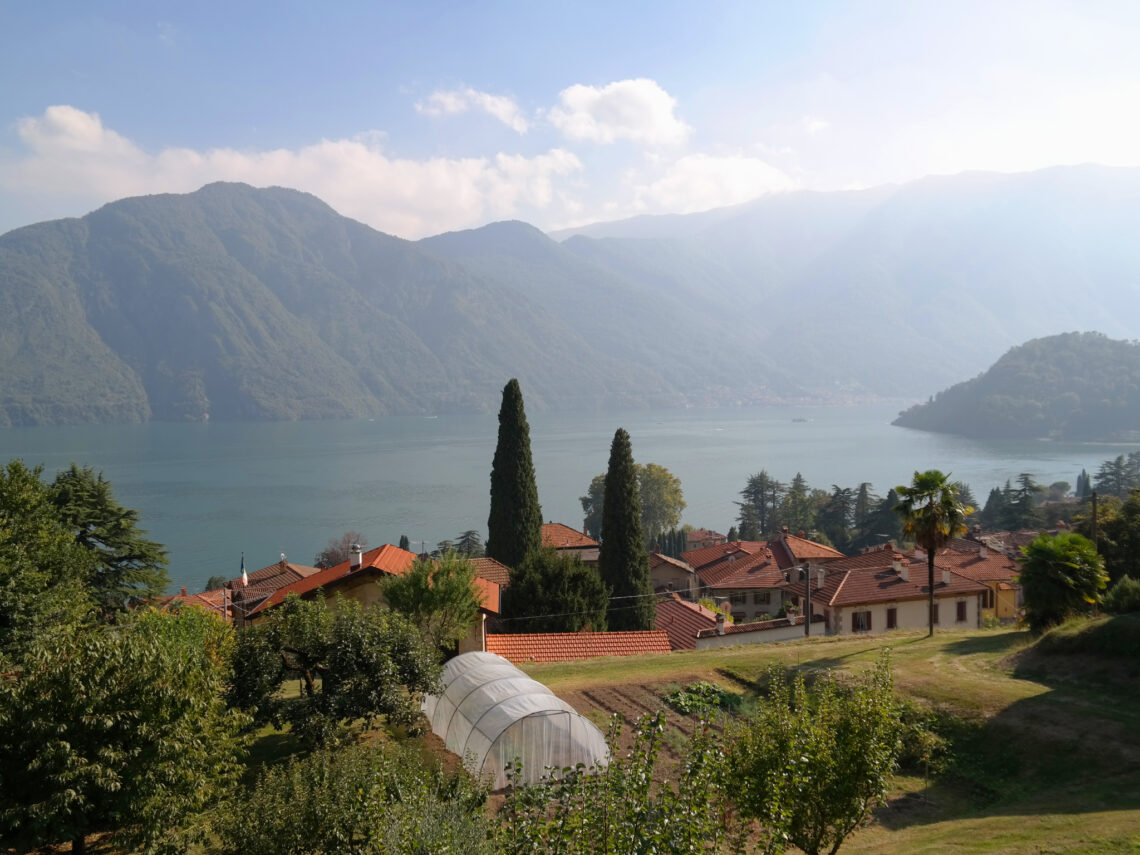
(244, 576)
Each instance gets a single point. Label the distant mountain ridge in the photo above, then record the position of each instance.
(242, 303)
(1074, 386)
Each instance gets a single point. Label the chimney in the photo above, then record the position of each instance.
(983, 553)
(184, 590)
(720, 623)
(945, 577)
(920, 553)
(801, 534)
(904, 571)
(354, 558)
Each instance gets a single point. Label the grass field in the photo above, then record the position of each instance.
(1045, 751)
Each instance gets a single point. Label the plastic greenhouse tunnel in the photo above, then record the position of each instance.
(491, 713)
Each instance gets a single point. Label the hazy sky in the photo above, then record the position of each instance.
(422, 117)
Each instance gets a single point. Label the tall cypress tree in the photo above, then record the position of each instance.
(622, 560)
(514, 528)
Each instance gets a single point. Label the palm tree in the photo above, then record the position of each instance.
(932, 513)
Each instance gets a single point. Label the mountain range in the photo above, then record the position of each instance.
(240, 303)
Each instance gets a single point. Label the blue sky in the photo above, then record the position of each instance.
(424, 117)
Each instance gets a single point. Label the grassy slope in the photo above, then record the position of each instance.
(1047, 754)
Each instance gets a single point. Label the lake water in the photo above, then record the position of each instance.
(210, 491)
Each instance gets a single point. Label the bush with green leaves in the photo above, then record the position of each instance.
(1123, 597)
(120, 728)
(362, 799)
(812, 764)
(701, 697)
(1061, 576)
(618, 810)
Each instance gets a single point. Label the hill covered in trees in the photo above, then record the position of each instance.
(242, 303)
(1075, 386)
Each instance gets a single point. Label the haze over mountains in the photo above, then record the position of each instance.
(239, 303)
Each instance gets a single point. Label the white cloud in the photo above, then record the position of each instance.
(74, 159)
(815, 125)
(636, 110)
(450, 103)
(698, 182)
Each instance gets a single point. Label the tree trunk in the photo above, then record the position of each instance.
(79, 845)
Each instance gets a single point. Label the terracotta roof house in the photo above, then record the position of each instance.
(492, 570)
(216, 601)
(699, 538)
(707, 556)
(997, 571)
(354, 579)
(752, 586)
(568, 646)
(562, 536)
(682, 621)
(262, 584)
(668, 575)
(791, 550)
(883, 590)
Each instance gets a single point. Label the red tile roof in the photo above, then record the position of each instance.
(387, 560)
(698, 559)
(791, 551)
(492, 570)
(855, 587)
(749, 571)
(656, 559)
(274, 576)
(682, 620)
(992, 567)
(563, 537)
(567, 646)
(211, 601)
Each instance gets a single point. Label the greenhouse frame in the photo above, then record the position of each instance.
(491, 714)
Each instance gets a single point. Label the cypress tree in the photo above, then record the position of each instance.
(622, 560)
(514, 528)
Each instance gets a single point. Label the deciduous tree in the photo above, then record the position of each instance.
(555, 592)
(662, 502)
(514, 527)
(438, 596)
(119, 728)
(353, 663)
(339, 549)
(813, 764)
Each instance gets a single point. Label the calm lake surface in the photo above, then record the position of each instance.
(210, 491)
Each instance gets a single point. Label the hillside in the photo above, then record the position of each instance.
(236, 303)
(1075, 386)
(1040, 751)
(239, 303)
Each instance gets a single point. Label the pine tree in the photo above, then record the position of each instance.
(514, 527)
(622, 560)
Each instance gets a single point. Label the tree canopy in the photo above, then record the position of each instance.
(1061, 575)
(339, 549)
(438, 596)
(555, 592)
(353, 663)
(514, 527)
(662, 502)
(120, 728)
(622, 560)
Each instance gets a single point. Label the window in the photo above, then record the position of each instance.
(761, 598)
(989, 598)
(934, 613)
(861, 621)
(738, 617)
(892, 618)
(961, 616)
(737, 598)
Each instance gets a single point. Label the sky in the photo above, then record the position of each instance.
(425, 117)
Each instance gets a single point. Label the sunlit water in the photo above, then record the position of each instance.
(211, 491)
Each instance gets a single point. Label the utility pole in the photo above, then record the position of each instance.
(806, 570)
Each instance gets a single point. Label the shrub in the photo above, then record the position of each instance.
(1123, 597)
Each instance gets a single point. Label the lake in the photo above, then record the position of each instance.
(210, 491)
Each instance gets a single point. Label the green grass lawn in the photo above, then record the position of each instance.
(1046, 746)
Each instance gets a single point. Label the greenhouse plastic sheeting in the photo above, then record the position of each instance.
(491, 713)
